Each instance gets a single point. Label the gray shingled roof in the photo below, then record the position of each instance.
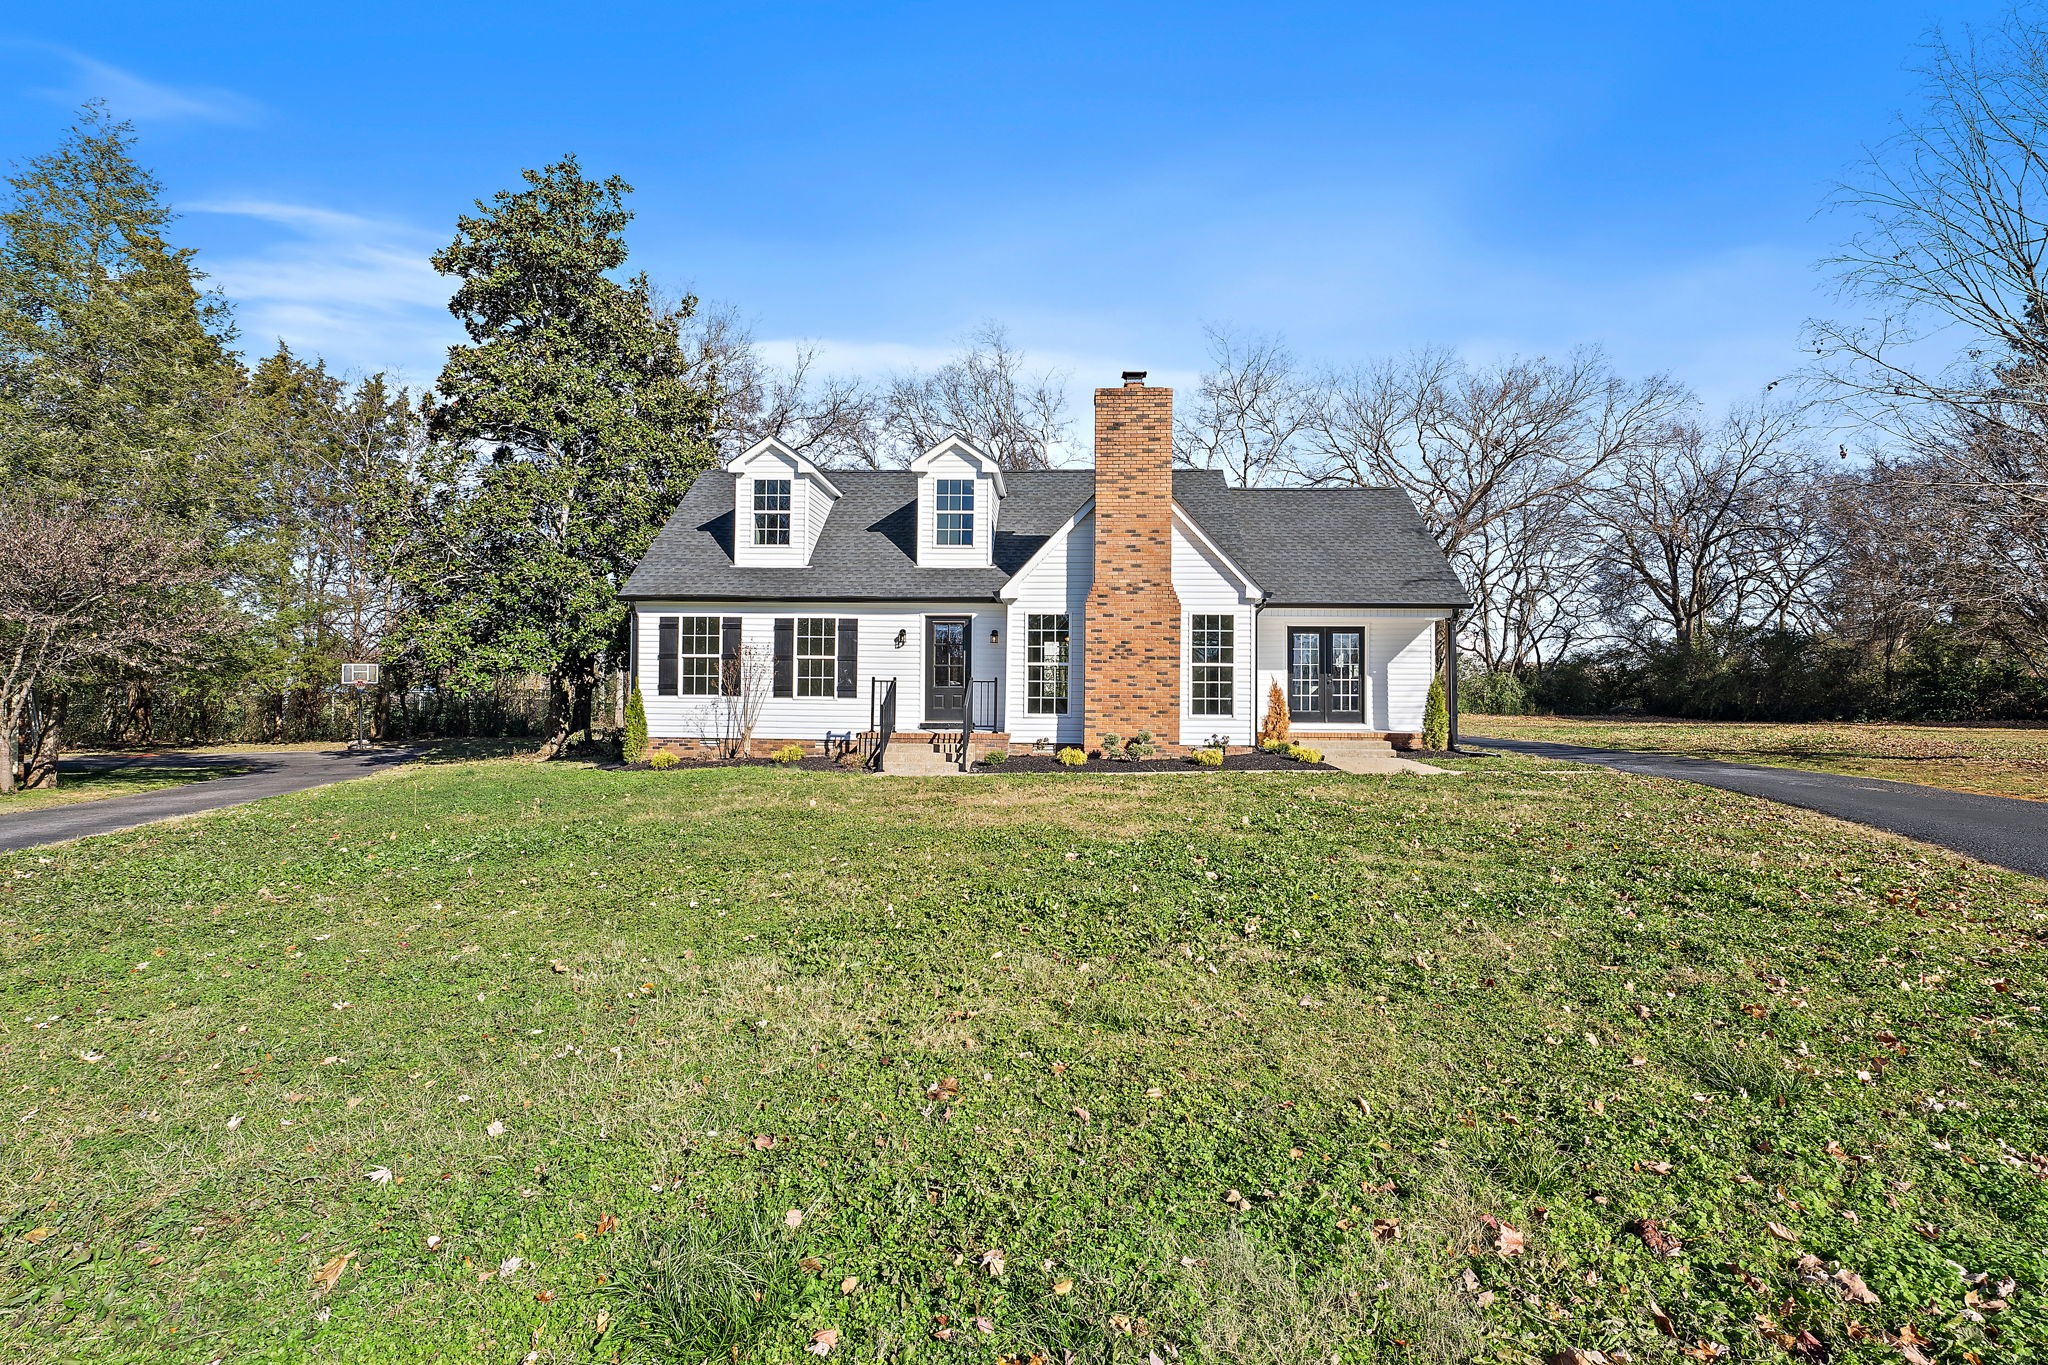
(1302, 546)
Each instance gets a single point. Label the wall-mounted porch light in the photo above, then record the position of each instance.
(995, 637)
(901, 637)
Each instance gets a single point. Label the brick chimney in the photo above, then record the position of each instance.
(1132, 641)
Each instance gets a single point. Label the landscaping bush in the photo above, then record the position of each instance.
(1072, 758)
(1112, 748)
(995, 758)
(1278, 725)
(1436, 717)
(1301, 753)
(1276, 746)
(789, 753)
(1141, 746)
(633, 745)
(663, 760)
(1206, 758)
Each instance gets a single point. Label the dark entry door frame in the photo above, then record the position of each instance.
(947, 658)
(1326, 674)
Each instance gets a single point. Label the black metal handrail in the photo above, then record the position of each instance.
(983, 708)
(881, 717)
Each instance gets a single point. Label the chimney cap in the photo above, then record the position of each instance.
(1134, 379)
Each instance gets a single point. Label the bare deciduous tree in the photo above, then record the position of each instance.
(1251, 410)
(831, 419)
(988, 395)
(1695, 526)
(1490, 457)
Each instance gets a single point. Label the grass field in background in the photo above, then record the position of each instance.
(513, 1061)
(1993, 760)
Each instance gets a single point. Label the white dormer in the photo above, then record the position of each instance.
(780, 502)
(959, 500)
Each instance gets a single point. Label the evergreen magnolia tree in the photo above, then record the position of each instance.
(572, 427)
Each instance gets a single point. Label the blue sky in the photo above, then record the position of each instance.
(1364, 178)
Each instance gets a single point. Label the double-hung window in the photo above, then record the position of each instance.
(699, 639)
(817, 656)
(1045, 664)
(1212, 657)
(771, 511)
(696, 655)
(955, 508)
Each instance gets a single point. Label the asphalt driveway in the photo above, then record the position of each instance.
(258, 774)
(1995, 829)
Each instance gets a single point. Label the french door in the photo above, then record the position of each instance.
(1326, 675)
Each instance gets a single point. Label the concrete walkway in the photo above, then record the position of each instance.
(262, 774)
(2002, 830)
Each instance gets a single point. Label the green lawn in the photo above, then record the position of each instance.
(1995, 760)
(574, 1065)
(74, 785)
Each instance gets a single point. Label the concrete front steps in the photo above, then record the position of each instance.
(935, 753)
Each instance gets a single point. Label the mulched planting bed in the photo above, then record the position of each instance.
(1232, 763)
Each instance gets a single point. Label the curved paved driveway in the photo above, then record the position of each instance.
(267, 774)
(1996, 829)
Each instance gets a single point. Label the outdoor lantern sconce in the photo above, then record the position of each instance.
(995, 637)
(901, 637)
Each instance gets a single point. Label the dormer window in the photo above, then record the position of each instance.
(771, 511)
(955, 508)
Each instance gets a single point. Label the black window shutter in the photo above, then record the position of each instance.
(849, 657)
(665, 673)
(785, 656)
(729, 657)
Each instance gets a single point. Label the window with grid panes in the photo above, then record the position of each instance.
(817, 656)
(955, 508)
(1045, 664)
(1212, 660)
(771, 511)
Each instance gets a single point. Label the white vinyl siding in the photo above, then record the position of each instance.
(1400, 652)
(1208, 587)
(808, 718)
(810, 503)
(981, 523)
(1056, 585)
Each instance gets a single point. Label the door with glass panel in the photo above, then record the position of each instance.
(945, 686)
(1326, 674)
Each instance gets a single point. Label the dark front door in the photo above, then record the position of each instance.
(945, 663)
(1326, 675)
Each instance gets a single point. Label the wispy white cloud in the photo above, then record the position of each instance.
(358, 291)
(132, 96)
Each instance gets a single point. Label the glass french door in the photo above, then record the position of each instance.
(1326, 675)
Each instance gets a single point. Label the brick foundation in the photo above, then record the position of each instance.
(1133, 636)
(698, 751)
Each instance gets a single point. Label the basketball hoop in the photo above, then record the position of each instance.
(361, 677)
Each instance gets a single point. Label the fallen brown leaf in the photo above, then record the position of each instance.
(327, 1276)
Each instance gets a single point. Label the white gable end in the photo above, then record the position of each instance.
(780, 505)
(959, 502)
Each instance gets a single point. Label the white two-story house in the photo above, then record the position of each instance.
(1034, 607)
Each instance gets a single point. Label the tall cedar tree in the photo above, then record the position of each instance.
(118, 399)
(573, 427)
(117, 391)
